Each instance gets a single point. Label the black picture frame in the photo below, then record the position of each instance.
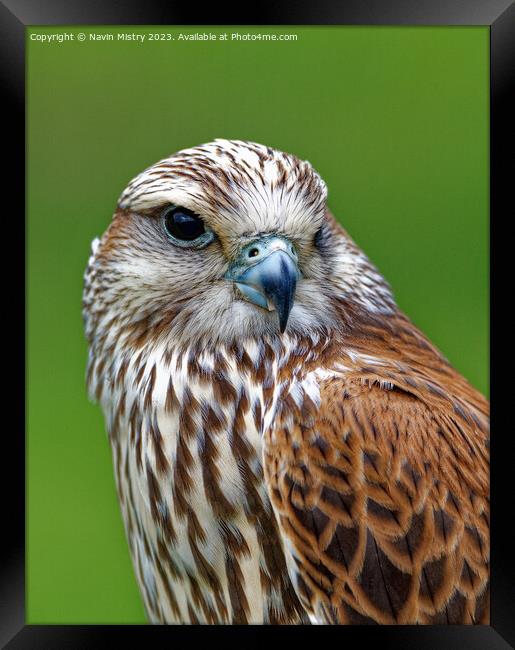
(15, 16)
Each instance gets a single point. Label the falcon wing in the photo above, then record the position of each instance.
(382, 503)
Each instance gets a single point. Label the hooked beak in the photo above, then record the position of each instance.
(266, 273)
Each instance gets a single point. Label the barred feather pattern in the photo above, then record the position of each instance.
(185, 428)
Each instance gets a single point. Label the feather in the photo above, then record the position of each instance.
(383, 495)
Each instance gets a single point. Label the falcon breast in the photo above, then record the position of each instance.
(287, 446)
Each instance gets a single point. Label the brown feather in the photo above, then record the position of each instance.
(384, 496)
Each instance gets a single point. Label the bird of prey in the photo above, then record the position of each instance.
(288, 447)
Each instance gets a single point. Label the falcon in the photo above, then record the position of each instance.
(288, 447)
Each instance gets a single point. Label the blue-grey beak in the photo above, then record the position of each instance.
(266, 273)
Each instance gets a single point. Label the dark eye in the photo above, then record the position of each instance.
(184, 224)
(185, 227)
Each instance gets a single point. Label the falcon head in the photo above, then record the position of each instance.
(224, 241)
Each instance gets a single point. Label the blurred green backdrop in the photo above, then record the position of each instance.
(394, 119)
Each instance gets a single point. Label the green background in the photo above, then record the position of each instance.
(394, 119)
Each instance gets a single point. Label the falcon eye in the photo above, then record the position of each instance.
(185, 228)
(183, 224)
